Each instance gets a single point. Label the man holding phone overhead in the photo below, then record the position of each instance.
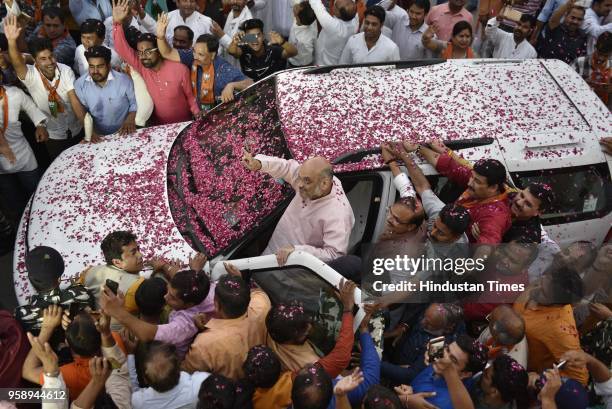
(259, 59)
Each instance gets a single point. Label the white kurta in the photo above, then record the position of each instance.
(231, 27)
(24, 156)
(504, 45)
(198, 23)
(356, 50)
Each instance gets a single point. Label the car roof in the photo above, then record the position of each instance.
(351, 109)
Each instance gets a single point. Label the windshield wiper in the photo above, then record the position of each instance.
(399, 65)
(358, 155)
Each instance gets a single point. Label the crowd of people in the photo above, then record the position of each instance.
(177, 339)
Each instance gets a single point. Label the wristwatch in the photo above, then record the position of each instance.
(52, 374)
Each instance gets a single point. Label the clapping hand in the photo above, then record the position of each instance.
(44, 353)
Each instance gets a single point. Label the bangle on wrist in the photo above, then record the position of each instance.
(53, 374)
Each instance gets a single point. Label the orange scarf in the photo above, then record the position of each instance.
(4, 98)
(55, 102)
(447, 54)
(42, 33)
(207, 86)
(600, 73)
(468, 202)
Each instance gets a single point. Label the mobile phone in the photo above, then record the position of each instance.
(249, 38)
(435, 349)
(112, 285)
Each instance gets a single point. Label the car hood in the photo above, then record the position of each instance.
(91, 190)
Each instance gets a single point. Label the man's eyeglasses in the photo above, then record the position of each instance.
(146, 53)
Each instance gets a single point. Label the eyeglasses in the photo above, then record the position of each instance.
(146, 53)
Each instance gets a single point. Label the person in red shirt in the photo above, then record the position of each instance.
(485, 196)
(168, 82)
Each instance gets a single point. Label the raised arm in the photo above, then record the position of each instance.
(112, 305)
(431, 43)
(234, 49)
(289, 49)
(555, 19)
(390, 155)
(165, 50)
(121, 11)
(419, 180)
(12, 31)
(33, 366)
(325, 19)
(339, 358)
(279, 167)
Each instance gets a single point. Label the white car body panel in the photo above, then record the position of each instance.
(121, 184)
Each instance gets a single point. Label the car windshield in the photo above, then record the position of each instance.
(213, 199)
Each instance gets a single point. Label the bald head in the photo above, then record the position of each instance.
(345, 9)
(161, 366)
(315, 178)
(506, 325)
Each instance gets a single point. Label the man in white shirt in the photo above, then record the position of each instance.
(93, 33)
(407, 33)
(19, 172)
(167, 385)
(186, 15)
(335, 30)
(238, 15)
(141, 20)
(371, 45)
(81, 10)
(395, 13)
(303, 34)
(51, 86)
(282, 16)
(594, 19)
(513, 45)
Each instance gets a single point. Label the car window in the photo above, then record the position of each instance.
(317, 295)
(364, 194)
(581, 193)
(214, 200)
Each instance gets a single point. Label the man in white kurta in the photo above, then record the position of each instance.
(319, 219)
(238, 15)
(370, 45)
(335, 30)
(186, 15)
(513, 45)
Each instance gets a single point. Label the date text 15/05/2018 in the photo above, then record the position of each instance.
(32, 395)
(431, 286)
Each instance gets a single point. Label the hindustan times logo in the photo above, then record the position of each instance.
(413, 265)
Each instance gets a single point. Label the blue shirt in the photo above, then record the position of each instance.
(370, 366)
(549, 8)
(428, 381)
(81, 10)
(224, 72)
(108, 105)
